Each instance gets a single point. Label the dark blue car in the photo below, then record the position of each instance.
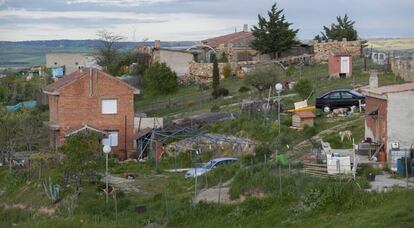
(341, 98)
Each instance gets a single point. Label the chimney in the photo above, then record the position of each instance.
(373, 79)
(245, 28)
(157, 44)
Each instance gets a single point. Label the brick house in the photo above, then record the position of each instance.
(92, 100)
(389, 115)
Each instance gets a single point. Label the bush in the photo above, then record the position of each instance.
(159, 78)
(309, 131)
(215, 108)
(220, 92)
(244, 89)
(203, 87)
(303, 87)
(227, 70)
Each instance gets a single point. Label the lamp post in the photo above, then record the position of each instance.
(106, 150)
(278, 88)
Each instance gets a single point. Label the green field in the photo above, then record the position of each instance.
(396, 44)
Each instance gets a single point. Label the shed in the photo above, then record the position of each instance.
(389, 118)
(302, 119)
(340, 64)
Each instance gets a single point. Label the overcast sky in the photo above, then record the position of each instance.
(192, 19)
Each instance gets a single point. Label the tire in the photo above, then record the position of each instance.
(326, 109)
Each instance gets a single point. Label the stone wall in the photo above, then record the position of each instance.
(403, 68)
(321, 50)
(203, 72)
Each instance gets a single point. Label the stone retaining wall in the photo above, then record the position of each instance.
(203, 72)
(403, 68)
(322, 49)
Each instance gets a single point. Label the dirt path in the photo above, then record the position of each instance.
(216, 194)
(124, 184)
(41, 210)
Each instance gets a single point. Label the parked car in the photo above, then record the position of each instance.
(207, 167)
(341, 98)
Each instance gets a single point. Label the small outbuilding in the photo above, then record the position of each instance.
(389, 119)
(302, 119)
(340, 64)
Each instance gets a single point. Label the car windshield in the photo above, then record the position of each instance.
(209, 165)
(356, 93)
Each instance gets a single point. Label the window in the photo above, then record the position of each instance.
(109, 106)
(335, 95)
(346, 95)
(112, 139)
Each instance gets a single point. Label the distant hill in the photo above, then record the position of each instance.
(28, 53)
(396, 45)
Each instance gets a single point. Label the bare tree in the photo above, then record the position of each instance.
(108, 51)
(31, 131)
(8, 136)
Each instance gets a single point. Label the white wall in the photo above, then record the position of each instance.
(177, 61)
(400, 126)
(148, 123)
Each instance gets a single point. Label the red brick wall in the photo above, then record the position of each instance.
(53, 107)
(377, 126)
(77, 108)
(334, 64)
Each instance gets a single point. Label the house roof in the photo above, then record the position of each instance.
(391, 89)
(86, 128)
(65, 80)
(305, 114)
(70, 78)
(229, 38)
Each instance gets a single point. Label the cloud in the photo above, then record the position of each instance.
(118, 2)
(193, 19)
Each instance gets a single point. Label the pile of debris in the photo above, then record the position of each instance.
(342, 112)
(223, 144)
(196, 122)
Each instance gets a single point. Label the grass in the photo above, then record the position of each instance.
(305, 201)
(190, 100)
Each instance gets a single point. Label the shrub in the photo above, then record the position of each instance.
(203, 87)
(215, 108)
(244, 89)
(309, 131)
(227, 70)
(159, 78)
(303, 87)
(220, 92)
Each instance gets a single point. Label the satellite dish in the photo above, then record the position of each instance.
(279, 87)
(107, 149)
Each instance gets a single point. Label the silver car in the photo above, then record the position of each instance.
(207, 167)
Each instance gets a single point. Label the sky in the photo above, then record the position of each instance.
(184, 20)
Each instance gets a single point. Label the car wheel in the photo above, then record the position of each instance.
(326, 109)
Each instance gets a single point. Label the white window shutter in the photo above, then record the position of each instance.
(109, 106)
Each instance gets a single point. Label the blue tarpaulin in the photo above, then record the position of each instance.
(57, 72)
(21, 105)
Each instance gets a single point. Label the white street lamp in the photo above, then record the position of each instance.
(106, 150)
(278, 88)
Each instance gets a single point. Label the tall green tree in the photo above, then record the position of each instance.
(160, 79)
(216, 75)
(343, 29)
(274, 35)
